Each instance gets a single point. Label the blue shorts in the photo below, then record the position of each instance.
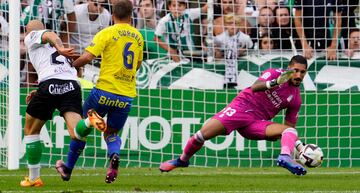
(116, 107)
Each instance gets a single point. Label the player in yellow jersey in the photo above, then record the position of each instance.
(121, 50)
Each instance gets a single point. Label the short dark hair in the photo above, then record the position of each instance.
(267, 7)
(153, 2)
(354, 30)
(123, 9)
(298, 59)
(168, 3)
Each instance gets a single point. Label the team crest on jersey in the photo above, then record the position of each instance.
(290, 98)
(266, 75)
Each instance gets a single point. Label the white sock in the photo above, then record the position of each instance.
(34, 172)
(87, 122)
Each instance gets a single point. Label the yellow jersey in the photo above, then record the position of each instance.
(121, 50)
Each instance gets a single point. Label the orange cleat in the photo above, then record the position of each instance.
(29, 183)
(96, 120)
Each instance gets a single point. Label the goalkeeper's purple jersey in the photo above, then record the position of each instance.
(267, 104)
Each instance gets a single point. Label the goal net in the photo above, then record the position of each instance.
(176, 98)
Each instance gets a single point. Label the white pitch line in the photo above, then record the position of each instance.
(256, 191)
(198, 173)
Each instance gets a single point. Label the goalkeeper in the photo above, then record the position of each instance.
(249, 112)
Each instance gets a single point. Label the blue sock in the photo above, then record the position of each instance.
(76, 147)
(113, 142)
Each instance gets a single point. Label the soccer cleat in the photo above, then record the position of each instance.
(285, 161)
(112, 171)
(29, 183)
(172, 164)
(62, 170)
(96, 120)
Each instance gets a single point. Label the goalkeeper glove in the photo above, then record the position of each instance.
(284, 77)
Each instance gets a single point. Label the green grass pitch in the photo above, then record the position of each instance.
(191, 180)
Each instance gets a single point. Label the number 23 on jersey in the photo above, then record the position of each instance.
(228, 111)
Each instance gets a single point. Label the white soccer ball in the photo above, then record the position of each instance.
(311, 155)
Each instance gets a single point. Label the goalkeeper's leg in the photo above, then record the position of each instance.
(211, 129)
(288, 139)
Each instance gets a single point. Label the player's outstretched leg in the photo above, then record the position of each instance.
(75, 149)
(285, 161)
(172, 164)
(193, 145)
(96, 120)
(113, 142)
(64, 171)
(112, 171)
(288, 139)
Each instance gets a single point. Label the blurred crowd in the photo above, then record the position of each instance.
(178, 29)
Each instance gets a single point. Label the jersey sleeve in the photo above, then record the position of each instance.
(160, 27)
(98, 44)
(34, 39)
(68, 6)
(270, 74)
(244, 40)
(292, 112)
(193, 13)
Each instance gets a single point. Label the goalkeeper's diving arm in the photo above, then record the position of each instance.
(265, 85)
(259, 86)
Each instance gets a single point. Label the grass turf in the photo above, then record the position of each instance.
(191, 180)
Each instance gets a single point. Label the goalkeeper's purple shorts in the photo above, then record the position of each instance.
(245, 121)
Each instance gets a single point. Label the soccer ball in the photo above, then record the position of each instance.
(311, 155)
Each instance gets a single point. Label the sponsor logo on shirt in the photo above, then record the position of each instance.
(113, 103)
(274, 98)
(56, 89)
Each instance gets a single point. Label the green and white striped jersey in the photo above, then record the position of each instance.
(179, 32)
(48, 11)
